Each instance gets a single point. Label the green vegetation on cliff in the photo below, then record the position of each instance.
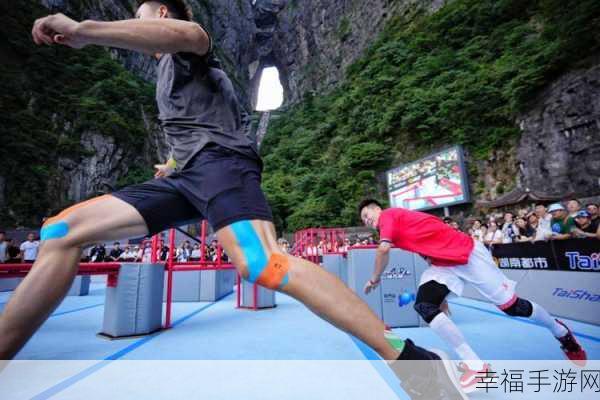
(461, 75)
(49, 96)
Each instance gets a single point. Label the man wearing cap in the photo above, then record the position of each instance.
(584, 228)
(562, 224)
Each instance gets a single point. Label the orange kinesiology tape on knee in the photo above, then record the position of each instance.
(69, 210)
(275, 274)
(57, 227)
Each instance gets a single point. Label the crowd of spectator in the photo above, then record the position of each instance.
(127, 253)
(25, 252)
(143, 253)
(323, 246)
(557, 221)
(186, 252)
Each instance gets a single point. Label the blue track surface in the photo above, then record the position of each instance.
(217, 331)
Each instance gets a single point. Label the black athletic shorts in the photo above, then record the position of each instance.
(217, 184)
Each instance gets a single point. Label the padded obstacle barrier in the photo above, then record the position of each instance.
(254, 297)
(133, 304)
(80, 286)
(360, 269)
(336, 264)
(393, 299)
(201, 285)
(216, 284)
(8, 284)
(185, 286)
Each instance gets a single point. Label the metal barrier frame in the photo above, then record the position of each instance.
(309, 238)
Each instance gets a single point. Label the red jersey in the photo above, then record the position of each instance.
(426, 235)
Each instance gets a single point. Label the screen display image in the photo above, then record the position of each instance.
(435, 181)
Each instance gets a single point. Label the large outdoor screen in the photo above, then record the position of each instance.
(438, 180)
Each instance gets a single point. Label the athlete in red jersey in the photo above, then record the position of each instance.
(454, 259)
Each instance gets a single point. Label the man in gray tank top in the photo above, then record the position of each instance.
(198, 105)
(214, 172)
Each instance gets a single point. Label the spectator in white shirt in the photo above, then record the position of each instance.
(138, 253)
(534, 224)
(145, 253)
(128, 255)
(493, 235)
(29, 249)
(184, 252)
(543, 228)
(478, 230)
(345, 246)
(544, 217)
(196, 253)
(311, 250)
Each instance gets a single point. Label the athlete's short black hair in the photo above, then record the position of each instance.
(366, 203)
(178, 9)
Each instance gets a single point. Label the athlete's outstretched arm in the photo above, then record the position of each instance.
(148, 35)
(382, 258)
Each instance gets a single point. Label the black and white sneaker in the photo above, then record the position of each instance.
(431, 378)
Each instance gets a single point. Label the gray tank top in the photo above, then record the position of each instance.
(197, 105)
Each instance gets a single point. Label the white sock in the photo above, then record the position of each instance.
(542, 316)
(448, 331)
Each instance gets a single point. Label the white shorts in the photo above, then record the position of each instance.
(481, 271)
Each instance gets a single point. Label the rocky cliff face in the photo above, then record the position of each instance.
(105, 164)
(313, 41)
(93, 174)
(559, 150)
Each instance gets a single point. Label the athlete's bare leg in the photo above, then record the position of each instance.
(42, 290)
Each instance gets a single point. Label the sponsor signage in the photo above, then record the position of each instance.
(396, 273)
(576, 255)
(576, 294)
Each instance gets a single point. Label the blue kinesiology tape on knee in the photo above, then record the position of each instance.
(55, 230)
(252, 248)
